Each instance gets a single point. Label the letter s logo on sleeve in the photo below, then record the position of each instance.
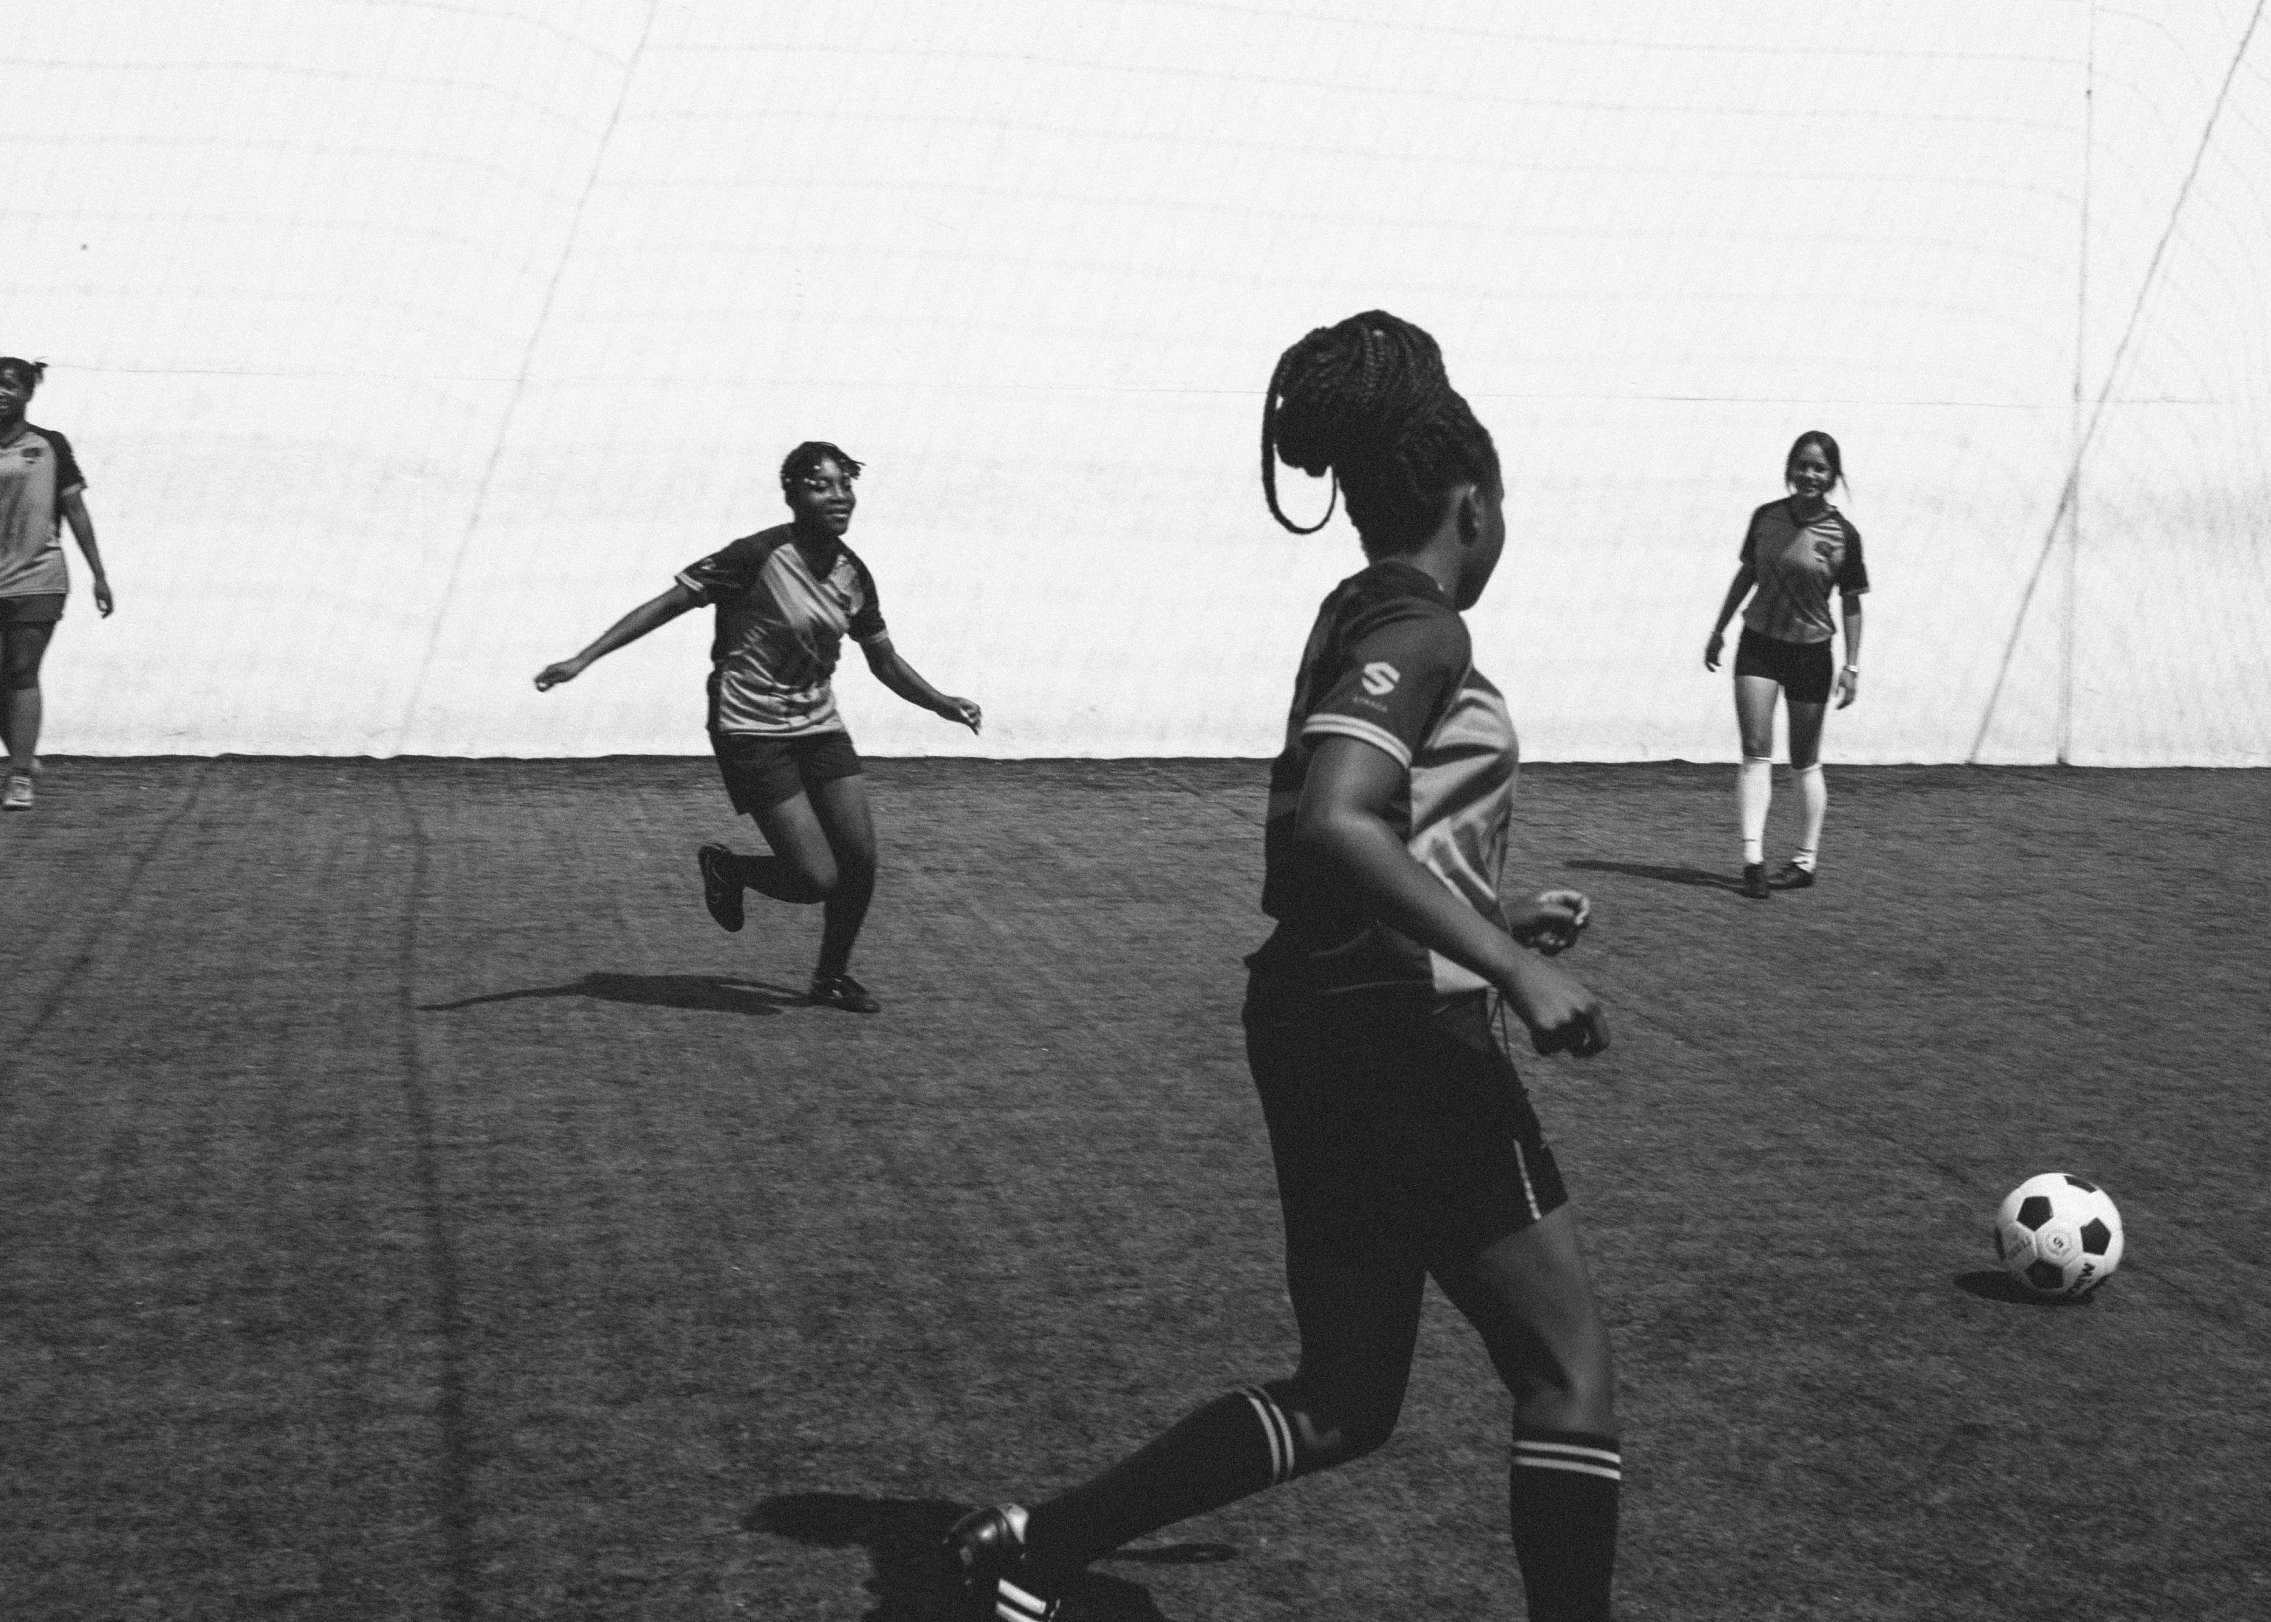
(1380, 678)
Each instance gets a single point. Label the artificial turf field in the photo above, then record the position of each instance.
(416, 1207)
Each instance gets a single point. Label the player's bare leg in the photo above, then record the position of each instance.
(848, 824)
(1530, 1297)
(1358, 1328)
(1754, 785)
(21, 649)
(1813, 794)
(802, 867)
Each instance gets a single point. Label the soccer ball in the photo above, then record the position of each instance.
(2058, 1235)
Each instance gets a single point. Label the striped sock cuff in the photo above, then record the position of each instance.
(1277, 1428)
(1015, 1604)
(1574, 1451)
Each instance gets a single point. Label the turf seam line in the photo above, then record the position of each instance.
(455, 1508)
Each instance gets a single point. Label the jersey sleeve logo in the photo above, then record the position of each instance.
(1380, 678)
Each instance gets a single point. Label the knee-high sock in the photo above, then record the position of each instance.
(1562, 1502)
(1813, 800)
(1754, 792)
(1233, 1447)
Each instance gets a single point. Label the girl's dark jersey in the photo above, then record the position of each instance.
(1389, 663)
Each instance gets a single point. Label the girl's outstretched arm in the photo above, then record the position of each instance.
(649, 615)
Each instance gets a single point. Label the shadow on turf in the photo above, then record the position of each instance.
(902, 1537)
(1702, 877)
(709, 993)
(1993, 1284)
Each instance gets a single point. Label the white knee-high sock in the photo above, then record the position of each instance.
(1813, 800)
(1754, 792)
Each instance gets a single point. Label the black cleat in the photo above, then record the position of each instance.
(987, 1573)
(1790, 876)
(1754, 882)
(842, 991)
(721, 894)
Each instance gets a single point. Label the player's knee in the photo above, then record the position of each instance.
(21, 678)
(1573, 1380)
(1340, 1420)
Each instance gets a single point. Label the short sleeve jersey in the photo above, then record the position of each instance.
(1798, 563)
(1389, 663)
(37, 470)
(780, 628)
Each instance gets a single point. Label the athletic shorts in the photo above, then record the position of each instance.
(45, 608)
(760, 772)
(1803, 668)
(1402, 1135)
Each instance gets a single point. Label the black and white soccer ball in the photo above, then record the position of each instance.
(2058, 1235)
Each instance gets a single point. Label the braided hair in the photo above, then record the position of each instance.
(809, 455)
(1368, 401)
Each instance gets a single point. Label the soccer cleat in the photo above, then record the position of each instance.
(1754, 881)
(1790, 876)
(19, 795)
(987, 1572)
(842, 991)
(720, 893)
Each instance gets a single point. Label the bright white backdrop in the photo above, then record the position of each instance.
(406, 345)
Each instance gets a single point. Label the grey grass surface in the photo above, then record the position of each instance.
(415, 1207)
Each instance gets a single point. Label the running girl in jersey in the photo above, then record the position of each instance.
(1404, 1144)
(786, 597)
(1795, 551)
(40, 486)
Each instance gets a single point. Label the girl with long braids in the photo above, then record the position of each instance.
(1795, 552)
(41, 489)
(1405, 1146)
(786, 598)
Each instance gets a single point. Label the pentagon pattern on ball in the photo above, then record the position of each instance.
(2058, 1235)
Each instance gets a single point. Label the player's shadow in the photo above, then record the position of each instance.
(902, 1537)
(1699, 876)
(707, 993)
(1993, 1284)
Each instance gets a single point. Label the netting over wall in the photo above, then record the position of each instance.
(407, 345)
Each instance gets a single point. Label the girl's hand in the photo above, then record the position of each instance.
(1562, 1015)
(1848, 686)
(962, 710)
(102, 597)
(1713, 648)
(552, 675)
(1551, 920)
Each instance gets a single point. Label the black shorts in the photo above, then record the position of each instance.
(42, 608)
(1804, 669)
(761, 772)
(1402, 1135)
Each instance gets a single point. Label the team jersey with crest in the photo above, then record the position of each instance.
(37, 470)
(1389, 663)
(780, 628)
(1798, 563)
